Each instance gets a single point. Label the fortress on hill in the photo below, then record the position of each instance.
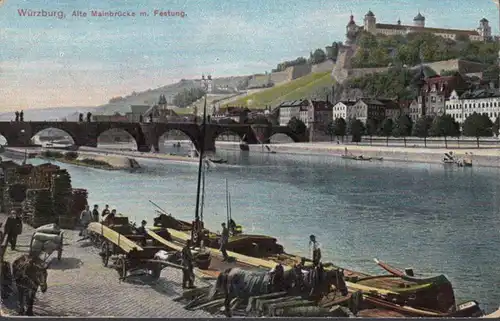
(482, 33)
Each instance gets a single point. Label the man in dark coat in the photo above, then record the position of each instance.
(224, 239)
(13, 227)
(187, 266)
(95, 213)
(106, 210)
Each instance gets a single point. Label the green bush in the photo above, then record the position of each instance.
(52, 154)
(95, 162)
(71, 156)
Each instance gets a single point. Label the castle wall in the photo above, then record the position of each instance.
(299, 71)
(325, 66)
(280, 76)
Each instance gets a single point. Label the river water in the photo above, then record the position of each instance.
(428, 217)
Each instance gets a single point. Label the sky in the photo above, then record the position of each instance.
(84, 61)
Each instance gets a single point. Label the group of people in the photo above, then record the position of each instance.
(19, 116)
(13, 227)
(87, 216)
(89, 117)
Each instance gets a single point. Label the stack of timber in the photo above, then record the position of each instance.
(277, 304)
(43, 193)
(38, 207)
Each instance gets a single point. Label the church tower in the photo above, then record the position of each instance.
(370, 22)
(351, 31)
(484, 29)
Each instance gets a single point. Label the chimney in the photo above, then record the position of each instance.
(327, 99)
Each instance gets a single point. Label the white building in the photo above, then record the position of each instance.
(340, 109)
(482, 101)
(317, 112)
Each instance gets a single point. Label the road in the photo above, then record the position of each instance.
(79, 285)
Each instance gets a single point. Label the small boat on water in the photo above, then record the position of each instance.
(449, 159)
(360, 157)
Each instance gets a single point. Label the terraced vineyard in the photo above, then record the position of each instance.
(304, 87)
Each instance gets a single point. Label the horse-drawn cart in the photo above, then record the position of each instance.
(47, 239)
(127, 251)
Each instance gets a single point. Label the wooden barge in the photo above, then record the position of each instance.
(397, 292)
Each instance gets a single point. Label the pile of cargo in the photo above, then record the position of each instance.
(43, 193)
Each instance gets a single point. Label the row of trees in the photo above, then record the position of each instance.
(315, 57)
(187, 97)
(476, 125)
(381, 50)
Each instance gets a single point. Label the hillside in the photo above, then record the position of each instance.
(315, 85)
(410, 49)
(150, 97)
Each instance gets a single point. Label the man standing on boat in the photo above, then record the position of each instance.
(315, 250)
(224, 239)
(106, 210)
(187, 266)
(95, 213)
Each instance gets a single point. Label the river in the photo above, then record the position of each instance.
(428, 217)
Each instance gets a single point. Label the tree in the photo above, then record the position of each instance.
(496, 126)
(422, 127)
(330, 130)
(371, 128)
(297, 125)
(386, 129)
(402, 127)
(444, 126)
(340, 127)
(477, 125)
(317, 57)
(356, 129)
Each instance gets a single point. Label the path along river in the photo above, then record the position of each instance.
(428, 217)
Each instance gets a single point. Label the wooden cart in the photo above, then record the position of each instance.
(126, 251)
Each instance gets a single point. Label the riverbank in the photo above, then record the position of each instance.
(487, 157)
(86, 159)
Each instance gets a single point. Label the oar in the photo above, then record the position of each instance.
(156, 205)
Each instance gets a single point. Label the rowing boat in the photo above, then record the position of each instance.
(360, 158)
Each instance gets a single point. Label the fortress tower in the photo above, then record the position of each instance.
(370, 22)
(419, 21)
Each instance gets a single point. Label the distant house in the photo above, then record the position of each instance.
(136, 111)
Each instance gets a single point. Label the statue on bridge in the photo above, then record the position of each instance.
(141, 119)
(21, 116)
(17, 116)
(80, 118)
(151, 117)
(89, 117)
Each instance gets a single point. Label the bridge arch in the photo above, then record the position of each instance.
(177, 133)
(132, 129)
(116, 135)
(52, 134)
(295, 138)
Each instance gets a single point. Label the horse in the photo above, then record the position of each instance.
(243, 284)
(30, 272)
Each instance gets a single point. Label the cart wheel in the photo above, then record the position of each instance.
(60, 249)
(121, 267)
(105, 253)
(156, 271)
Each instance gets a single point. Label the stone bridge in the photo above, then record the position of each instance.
(146, 135)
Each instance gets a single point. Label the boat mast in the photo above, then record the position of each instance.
(205, 83)
(202, 195)
(227, 204)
